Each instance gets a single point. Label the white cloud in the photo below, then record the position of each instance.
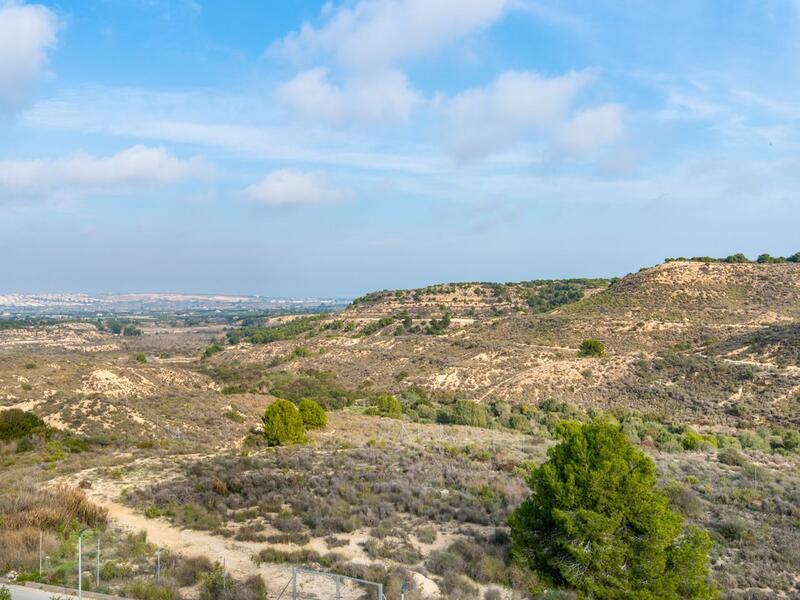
(551, 15)
(223, 122)
(383, 96)
(27, 34)
(375, 34)
(592, 128)
(484, 120)
(135, 167)
(292, 187)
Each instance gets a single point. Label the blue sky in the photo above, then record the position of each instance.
(332, 148)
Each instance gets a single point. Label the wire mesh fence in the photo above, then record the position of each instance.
(307, 584)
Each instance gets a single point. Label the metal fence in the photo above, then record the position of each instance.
(308, 584)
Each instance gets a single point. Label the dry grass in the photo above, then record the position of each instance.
(50, 508)
(19, 548)
(30, 512)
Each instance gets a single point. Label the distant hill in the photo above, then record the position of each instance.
(671, 334)
(478, 298)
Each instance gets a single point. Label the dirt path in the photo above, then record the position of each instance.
(237, 555)
(515, 378)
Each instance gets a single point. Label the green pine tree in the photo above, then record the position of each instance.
(313, 415)
(283, 424)
(596, 523)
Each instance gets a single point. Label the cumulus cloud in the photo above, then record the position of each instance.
(27, 34)
(132, 168)
(487, 119)
(384, 96)
(375, 34)
(592, 128)
(292, 187)
(365, 42)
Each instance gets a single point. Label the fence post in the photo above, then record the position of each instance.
(338, 590)
(294, 583)
(380, 591)
(98, 562)
(41, 533)
(80, 565)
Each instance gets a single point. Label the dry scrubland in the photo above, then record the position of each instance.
(154, 440)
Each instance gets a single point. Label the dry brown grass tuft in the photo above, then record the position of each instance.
(19, 548)
(44, 509)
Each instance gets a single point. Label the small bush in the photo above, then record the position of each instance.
(388, 406)
(140, 357)
(426, 535)
(283, 424)
(467, 412)
(149, 590)
(592, 347)
(298, 557)
(190, 570)
(195, 516)
(313, 415)
(732, 457)
(213, 349)
(113, 569)
(695, 441)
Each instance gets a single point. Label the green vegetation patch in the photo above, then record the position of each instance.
(275, 333)
(596, 523)
(283, 424)
(16, 424)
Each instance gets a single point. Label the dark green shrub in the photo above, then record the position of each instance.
(467, 412)
(284, 331)
(16, 424)
(213, 349)
(388, 406)
(283, 424)
(592, 348)
(313, 415)
(438, 326)
(736, 258)
(131, 331)
(596, 523)
(376, 326)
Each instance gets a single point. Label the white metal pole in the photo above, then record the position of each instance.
(158, 564)
(98, 561)
(80, 567)
(41, 533)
